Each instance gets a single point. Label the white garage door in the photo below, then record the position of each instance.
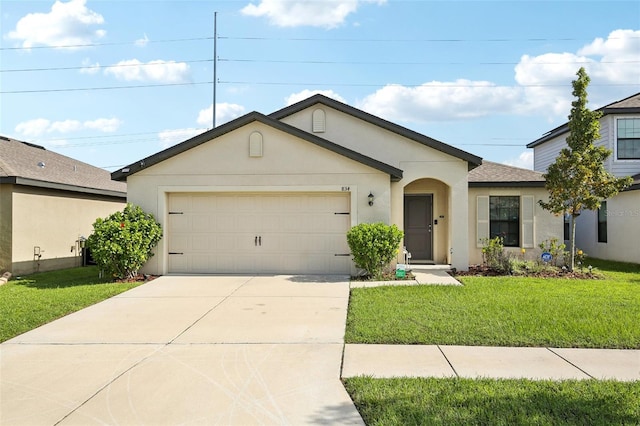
(259, 233)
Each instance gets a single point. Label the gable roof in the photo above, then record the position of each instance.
(473, 160)
(24, 163)
(630, 105)
(490, 174)
(393, 172)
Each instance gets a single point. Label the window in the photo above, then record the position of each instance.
(504, 219)
(510, 217)
(602, 222)
(628, 138)
(567, 226)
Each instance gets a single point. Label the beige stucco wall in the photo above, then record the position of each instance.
(623, 229)
(5, 226)
(52, 220)
(417, 162)
(288, 164)
(546, 225)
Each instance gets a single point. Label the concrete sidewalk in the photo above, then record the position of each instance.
(424, 275)
(383, 361)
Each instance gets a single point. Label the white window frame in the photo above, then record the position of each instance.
(615, 140)
(527, 235)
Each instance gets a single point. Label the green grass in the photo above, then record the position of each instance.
(40, 298)
(430, 401)
(504, 311)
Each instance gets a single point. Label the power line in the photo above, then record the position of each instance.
(105, 66)
(414, 40)
(318, 62)
(306, 61)
(118, 43)
(439, 86)
(80, 89)
(289, 83)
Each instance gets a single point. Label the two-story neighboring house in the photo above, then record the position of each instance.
(612, 232)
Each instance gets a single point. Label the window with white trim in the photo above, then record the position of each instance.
(509, 217)
(628, 138)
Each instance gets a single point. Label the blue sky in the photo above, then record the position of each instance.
(485, 76)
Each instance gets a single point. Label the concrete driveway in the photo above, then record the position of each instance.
(187, 350)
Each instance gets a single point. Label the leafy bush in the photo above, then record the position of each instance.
(555, 248)
(494, 256)
(374, 246)
(123, 242)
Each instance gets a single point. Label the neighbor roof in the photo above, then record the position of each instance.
(24, 163)
(491, 174)
(630, 105)
(395, 173)
(474, 161)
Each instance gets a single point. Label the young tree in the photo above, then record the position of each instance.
(577, 180)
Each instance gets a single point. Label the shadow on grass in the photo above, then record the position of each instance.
(488, 402)
(63, 278)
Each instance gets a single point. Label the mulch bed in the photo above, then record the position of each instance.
(550, 272)
(138, 278)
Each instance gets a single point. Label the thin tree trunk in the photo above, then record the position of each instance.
(572, 262)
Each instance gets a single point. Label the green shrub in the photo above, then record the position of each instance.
(374, 246)
(555, 248)
(494, 256)
(123, 242)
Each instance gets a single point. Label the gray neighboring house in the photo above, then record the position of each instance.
(613, 231)
(48, 203)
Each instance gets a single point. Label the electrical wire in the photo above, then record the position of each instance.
(105, 66)
(80, 89)
(116, 43)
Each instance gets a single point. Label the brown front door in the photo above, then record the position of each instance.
(418, 226)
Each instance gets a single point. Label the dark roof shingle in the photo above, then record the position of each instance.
(29, 164)
(495, 174)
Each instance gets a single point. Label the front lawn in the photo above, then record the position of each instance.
(40, 298)
(430, 401)
(504, 311)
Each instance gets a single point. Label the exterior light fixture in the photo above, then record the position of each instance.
(370, 197)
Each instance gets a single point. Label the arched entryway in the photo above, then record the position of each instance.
(426, 221)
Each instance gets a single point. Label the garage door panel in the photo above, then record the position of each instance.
(259, 233)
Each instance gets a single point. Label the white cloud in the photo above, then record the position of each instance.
(297, 97)
(437, 100)
(224, 112)
(103, 124)
(171, 137)
(524, 160)
(89, 68)
(33, 128)
(65, 126)
(66, 24)
(158, 70)
(543, 85)
(324, 14)
(619, 55)
(39, 126)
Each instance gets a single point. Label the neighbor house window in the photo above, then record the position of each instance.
(628, 138)
(504, 219)
(567, 226)
(602, 222)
